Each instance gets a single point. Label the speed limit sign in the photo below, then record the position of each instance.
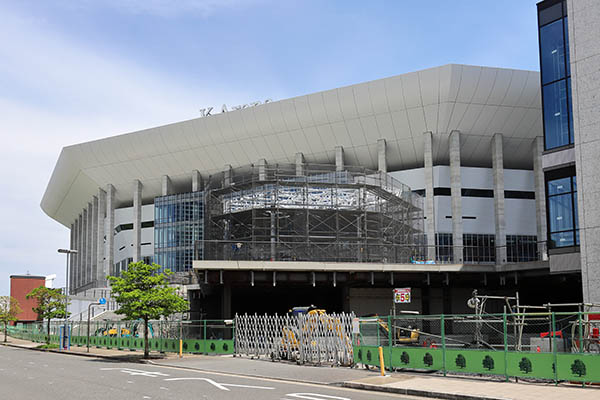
(402, 295)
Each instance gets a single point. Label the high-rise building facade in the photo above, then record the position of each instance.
(570, 74)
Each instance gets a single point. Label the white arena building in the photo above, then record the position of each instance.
(431, 180)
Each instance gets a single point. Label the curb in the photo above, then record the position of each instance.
(69, 353)
(418, 393)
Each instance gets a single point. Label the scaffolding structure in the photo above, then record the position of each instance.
(311, 212)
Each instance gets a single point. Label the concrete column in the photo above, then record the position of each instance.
(262, 169)
(84, 248)
(137, 220)
(300, 169)
(226, 301)
(109, 227)
(455, 193)
(167, 185)
(89, 248)
(499, 222)
(80, 251)
(94, 244)
(429, 199)
(339, 158)
(227, 175)
(381, 156)
(101, 232)
(196, 181)
(72, 257)
(540, 196)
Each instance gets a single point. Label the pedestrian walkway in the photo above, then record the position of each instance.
(467, 388)
(414, 384)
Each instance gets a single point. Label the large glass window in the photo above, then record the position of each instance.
(552, 51)
(555, 74)
(563, 224)
(178, 224)
(556, 115)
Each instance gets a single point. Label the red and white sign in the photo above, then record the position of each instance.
(402, 295)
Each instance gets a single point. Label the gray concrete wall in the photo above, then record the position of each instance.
(584, 37)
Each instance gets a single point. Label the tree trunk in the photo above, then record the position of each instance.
(146, 351)
(5, 331)
(48, 337)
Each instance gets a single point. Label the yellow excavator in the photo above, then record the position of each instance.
(376, 330)
(289, 334)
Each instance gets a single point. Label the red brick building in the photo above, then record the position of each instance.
(20, 286)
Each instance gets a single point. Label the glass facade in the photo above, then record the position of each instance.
(178, 223)
(555, 73)
(563, 224)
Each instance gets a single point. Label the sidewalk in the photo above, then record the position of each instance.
(413, 384)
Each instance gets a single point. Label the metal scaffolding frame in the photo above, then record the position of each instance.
(283, 213)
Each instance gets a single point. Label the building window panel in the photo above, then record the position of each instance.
(552, 52)
(561, 212)
(556, 116)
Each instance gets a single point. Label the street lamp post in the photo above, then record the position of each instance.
(68, 252)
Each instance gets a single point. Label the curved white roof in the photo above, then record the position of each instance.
(478, 101)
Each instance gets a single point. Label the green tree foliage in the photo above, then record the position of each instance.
(461, 361)
(525, 365)
(144, 293)
(488, 363)
(9, 309)
(404, 358)
(428, 359)
(578, 368)
(50, 304)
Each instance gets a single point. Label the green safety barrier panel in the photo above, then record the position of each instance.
(475, 361)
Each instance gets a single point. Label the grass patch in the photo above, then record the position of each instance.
(48, 346)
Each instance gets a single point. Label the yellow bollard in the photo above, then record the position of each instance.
(381, 366)
(180, 348)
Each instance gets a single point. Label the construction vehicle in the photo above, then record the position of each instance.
(375, 331)
(312, 323)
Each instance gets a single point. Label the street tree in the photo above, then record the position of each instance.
(9, 309)
(143, 292)
(50, 304)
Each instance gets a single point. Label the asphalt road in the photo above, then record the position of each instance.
(27, 374)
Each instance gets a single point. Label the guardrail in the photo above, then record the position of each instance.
(551, 346)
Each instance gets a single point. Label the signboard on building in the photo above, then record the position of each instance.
(402, 295)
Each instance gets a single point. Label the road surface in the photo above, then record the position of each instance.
(27, 375)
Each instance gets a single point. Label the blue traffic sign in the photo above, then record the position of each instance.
(102, 300)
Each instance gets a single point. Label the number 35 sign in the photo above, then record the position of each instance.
(402, 295)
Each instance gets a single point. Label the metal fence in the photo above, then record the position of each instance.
(550, 346)
(316, 339)
(201, 337)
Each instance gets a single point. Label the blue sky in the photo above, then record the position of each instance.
(77, 70)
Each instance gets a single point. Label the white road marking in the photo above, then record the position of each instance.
(248, 386)
(218, 385)
(163, 388)
(222, 386)
(315, 396)
(130, 371)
